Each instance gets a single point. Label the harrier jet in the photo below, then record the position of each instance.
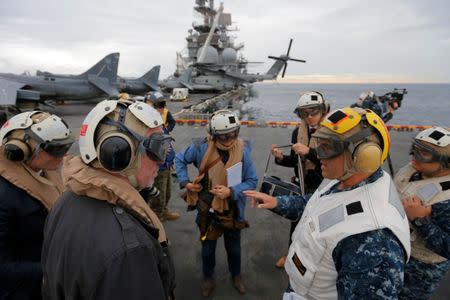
(98, 81)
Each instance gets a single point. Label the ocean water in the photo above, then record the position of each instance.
(425, 104)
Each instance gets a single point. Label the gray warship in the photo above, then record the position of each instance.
(212, 66)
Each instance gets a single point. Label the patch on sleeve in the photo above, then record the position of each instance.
(354, 208)
(445, 185)
(300, 267)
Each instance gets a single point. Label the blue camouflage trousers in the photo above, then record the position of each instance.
(422, 279)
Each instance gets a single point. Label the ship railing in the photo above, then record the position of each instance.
(202, 119)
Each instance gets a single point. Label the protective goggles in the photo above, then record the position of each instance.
(423, 153)
(160, 104)
(56, 150)
(307, 112)
(225, 137)
(157, 146)
(329, 147)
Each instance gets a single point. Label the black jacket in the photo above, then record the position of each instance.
(22, 219)
(313, 178)
(170, 122)
(95, 250)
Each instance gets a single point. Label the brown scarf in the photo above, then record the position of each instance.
(46, 188)
(303, 137)
(217, 173)
(97, 183)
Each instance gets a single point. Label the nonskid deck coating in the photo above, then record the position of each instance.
(262, 243)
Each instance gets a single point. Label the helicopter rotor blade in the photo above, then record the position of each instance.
(289, 48)
(299, 60)
(284, 70)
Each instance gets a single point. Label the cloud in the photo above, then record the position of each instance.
(395, 39)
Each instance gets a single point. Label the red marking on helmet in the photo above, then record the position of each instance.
(6, 124)
(83, 129)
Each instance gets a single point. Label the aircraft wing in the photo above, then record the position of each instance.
(103, 84)
(8, 91)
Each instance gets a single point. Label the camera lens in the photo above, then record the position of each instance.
(150, 192)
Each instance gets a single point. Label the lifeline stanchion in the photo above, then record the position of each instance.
(275, 124)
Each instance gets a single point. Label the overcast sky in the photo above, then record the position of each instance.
(342, 41)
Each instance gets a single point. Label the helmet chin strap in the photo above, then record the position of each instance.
(131, 172)
(349, 167)
(133, 181)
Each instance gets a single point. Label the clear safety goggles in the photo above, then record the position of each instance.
(225, 137)
(307, 112)
(329, 146)
(423, 153)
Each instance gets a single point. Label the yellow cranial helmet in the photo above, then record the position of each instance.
(361, 133)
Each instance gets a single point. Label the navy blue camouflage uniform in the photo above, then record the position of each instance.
(422, 279)
(370, 265)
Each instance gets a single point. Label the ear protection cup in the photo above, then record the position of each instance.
(17, 150)
(367, 157)
(326, 107)
(115, 151)
(208, 127)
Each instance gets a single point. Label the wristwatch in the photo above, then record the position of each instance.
(422, 221)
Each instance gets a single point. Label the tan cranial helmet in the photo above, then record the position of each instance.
(24, 134)
(358, 134)
(114, 133)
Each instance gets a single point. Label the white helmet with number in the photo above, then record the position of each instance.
(25, 133)
(223, 121)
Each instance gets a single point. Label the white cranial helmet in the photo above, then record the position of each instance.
(25, 133)
(310, 99)
(223, 121)
(141, 111)
(437, 136)
(365, 95)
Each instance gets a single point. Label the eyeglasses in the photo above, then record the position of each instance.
(305, 113)
(226, 136)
